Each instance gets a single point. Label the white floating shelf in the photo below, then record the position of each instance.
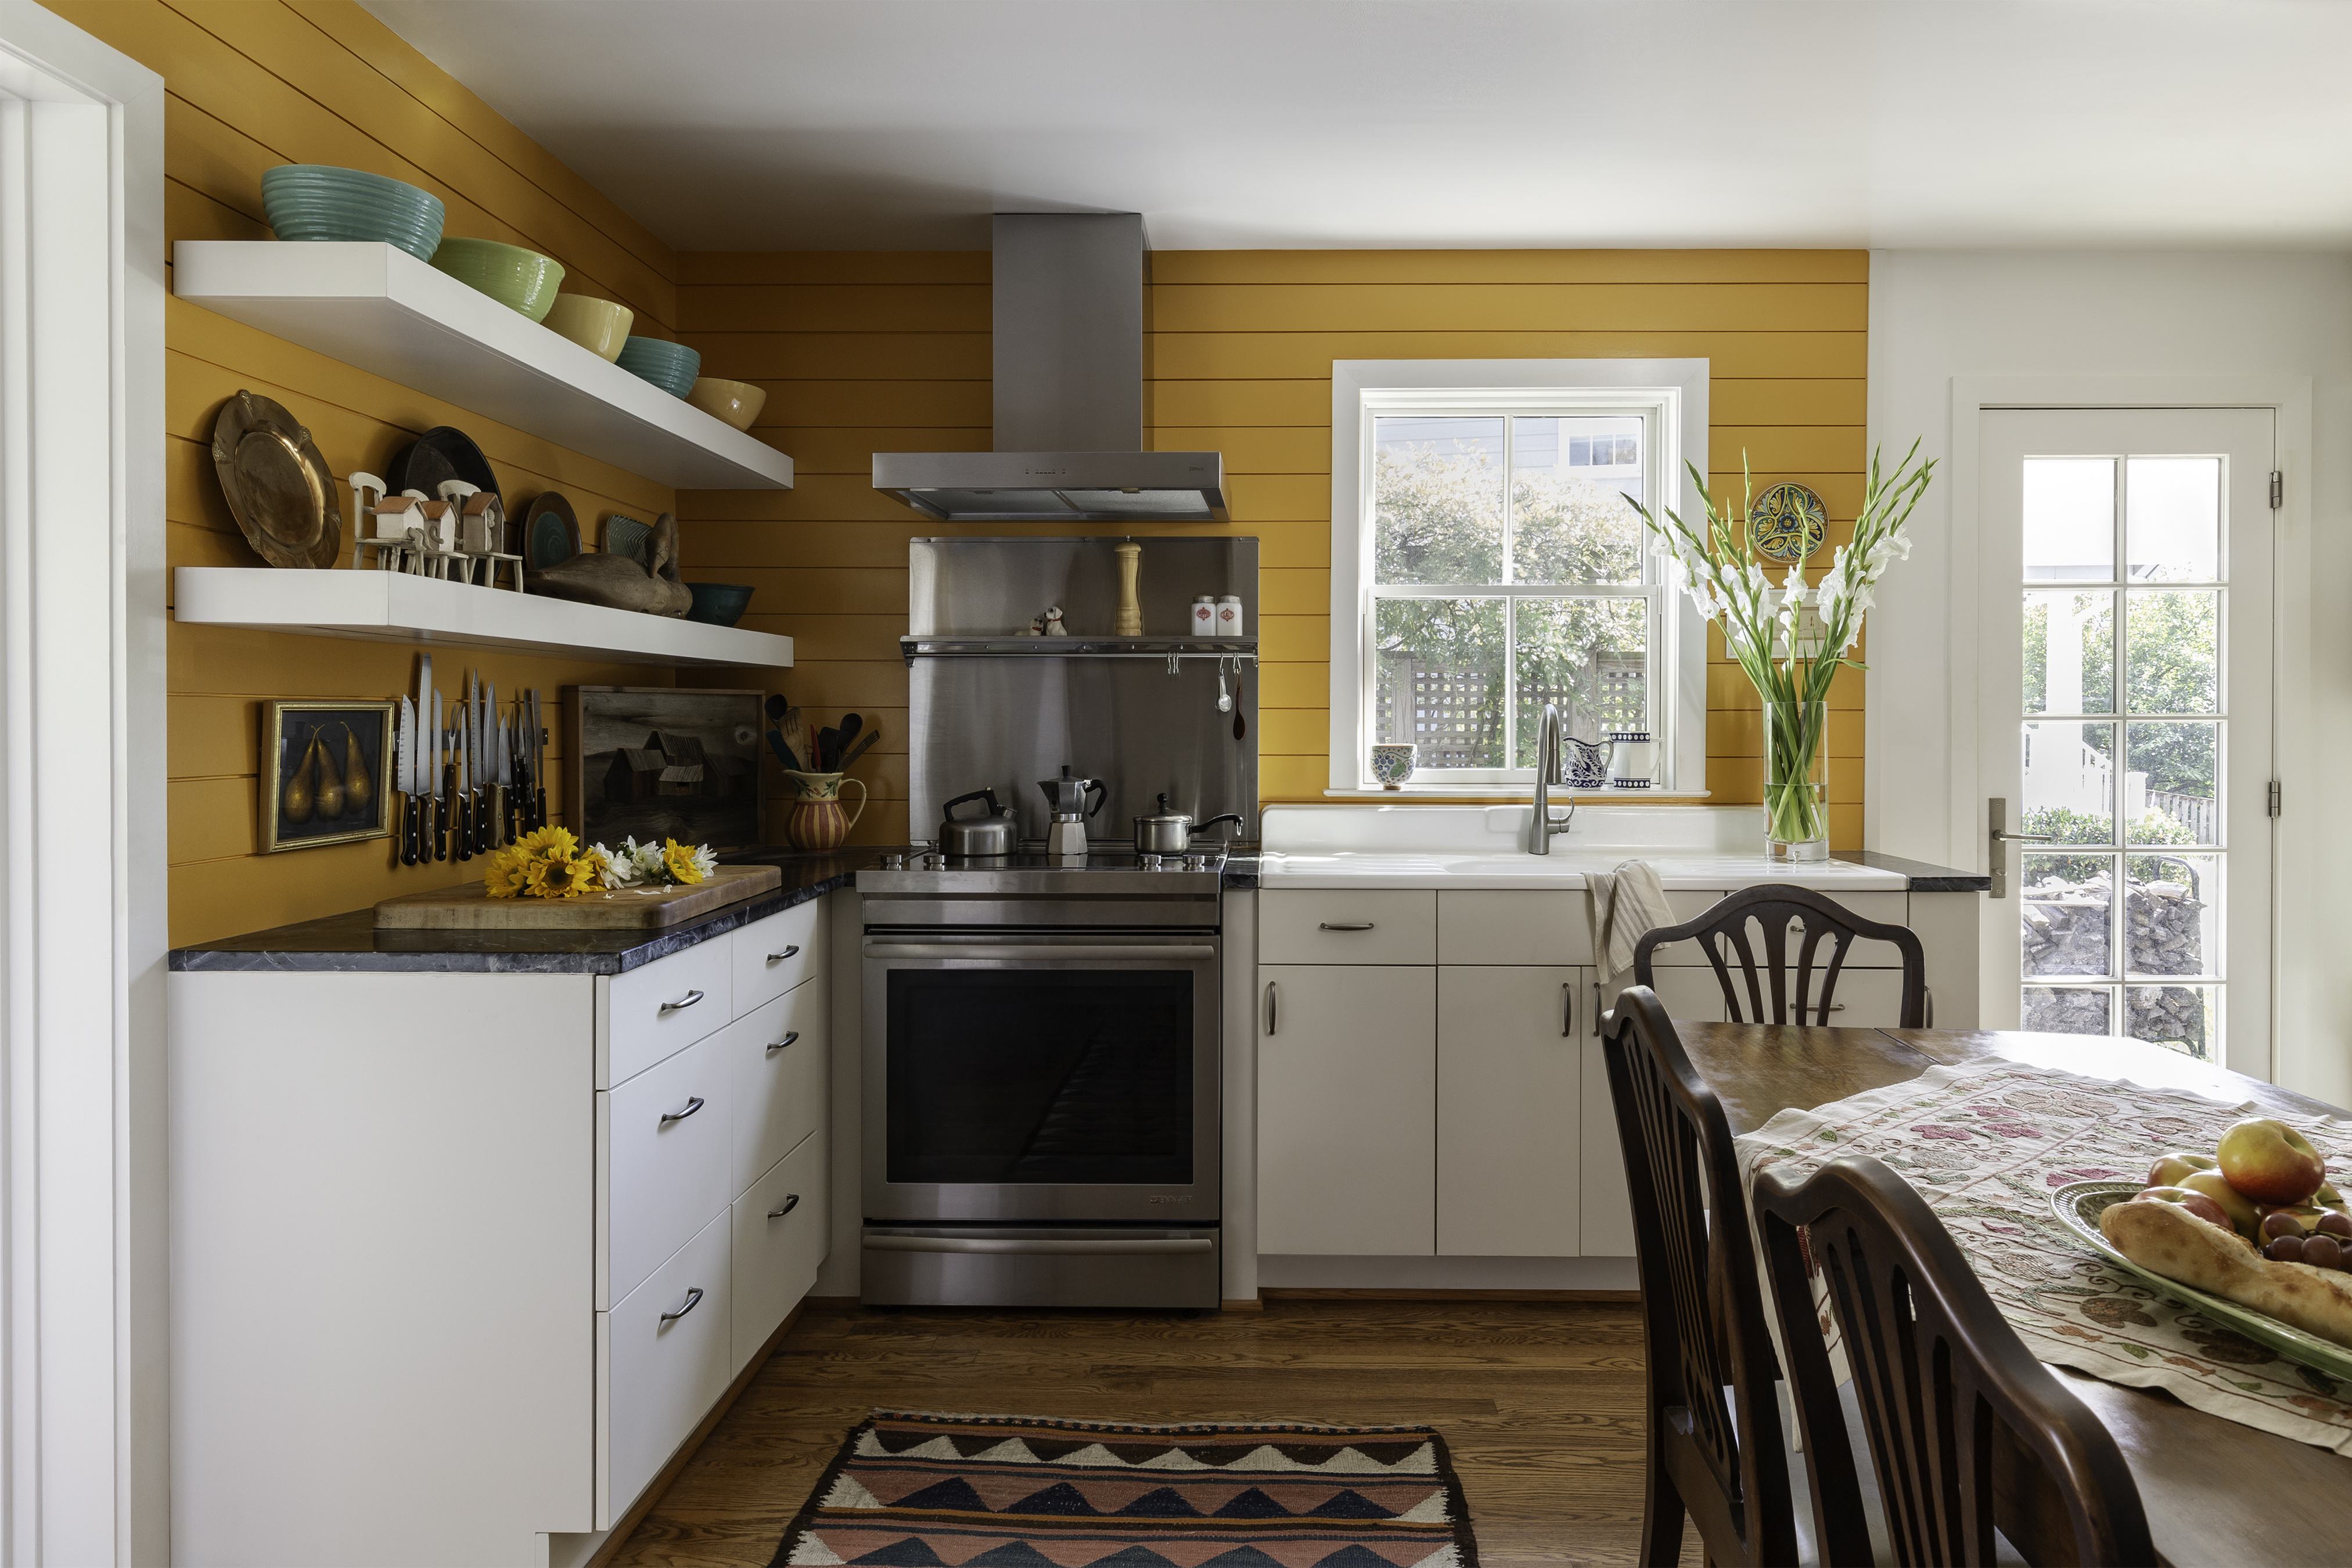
(394, 606)
(379, 308)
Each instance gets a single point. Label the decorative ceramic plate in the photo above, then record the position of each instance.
(552, 534)
(1788, 522)
(2078, 1206)
(277, 483)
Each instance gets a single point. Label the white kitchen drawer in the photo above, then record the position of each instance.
(774, 954)
(1885, 909)
(1343, 925)
(1514, 928)
(776, 1067)
(651, 1013)
(782, 1234)
(662, 1358)
(661, 1165)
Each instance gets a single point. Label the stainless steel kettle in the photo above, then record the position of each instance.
(995, 832)
(1066, 796)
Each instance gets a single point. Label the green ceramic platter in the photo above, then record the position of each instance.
(2078, 1206)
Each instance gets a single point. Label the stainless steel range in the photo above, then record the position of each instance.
(1041, 1080)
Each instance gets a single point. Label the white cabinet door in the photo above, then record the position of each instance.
(782, 1223)
(1510, 1071)
(664, 1355)
(1346, 1118)
(1607, 1203)
(777, 1060)
(661, 1156)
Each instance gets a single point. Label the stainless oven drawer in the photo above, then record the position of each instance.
(914, 1266)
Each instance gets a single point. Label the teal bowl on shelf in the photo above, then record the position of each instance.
(670, 366)
(718, 603)
(523, 280)
(309, 202)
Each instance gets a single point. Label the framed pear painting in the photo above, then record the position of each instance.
(326, 774)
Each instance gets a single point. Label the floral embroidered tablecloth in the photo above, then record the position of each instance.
(1986, 1145)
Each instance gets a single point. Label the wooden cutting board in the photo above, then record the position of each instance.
(468, 907)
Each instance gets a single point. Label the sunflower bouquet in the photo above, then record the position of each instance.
(546, 864)
(647, 866)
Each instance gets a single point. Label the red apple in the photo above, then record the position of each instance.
(2244, 1216)
(2271, 1163)
(2169, 1169)
(2196, 1202)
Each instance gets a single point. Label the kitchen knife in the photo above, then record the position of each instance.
(469, 769)
(462, 832)
(538, 762)
(484, 830)
(442, 780)
(405, 772)
(421, 789)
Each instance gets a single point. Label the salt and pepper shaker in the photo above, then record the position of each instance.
(1204, 617)
(1229, 617)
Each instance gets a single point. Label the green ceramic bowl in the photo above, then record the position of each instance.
(320, 202)
(670, 366)
(520, 280)
(720, 604)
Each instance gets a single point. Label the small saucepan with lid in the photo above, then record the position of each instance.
(1166, 832)
(995, 830)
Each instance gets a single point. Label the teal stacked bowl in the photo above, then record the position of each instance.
(670, 366)
(320, 202)
(718, 603)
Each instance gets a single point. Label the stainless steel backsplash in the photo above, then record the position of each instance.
(1005, 722)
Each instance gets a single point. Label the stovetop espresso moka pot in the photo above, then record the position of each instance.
(1067, 797)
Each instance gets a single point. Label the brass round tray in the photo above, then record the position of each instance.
(277, 483)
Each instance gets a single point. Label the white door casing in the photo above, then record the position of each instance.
(83, 1445)
(2071, 505)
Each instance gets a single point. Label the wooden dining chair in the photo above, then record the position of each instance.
(1773, 906)
(1937, 1373)
(1724, 1465)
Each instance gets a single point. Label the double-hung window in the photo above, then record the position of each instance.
(1497, 568)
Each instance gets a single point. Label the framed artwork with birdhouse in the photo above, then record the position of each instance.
(326, 772)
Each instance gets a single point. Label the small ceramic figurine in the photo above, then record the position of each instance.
(1036, 627)
(1054, 627)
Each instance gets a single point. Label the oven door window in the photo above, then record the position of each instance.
(1046, 1076)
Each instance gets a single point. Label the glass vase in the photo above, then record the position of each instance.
(1796, 782)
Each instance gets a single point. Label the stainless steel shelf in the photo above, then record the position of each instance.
(1241, 649)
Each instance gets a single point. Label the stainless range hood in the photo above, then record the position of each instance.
(1069, 349)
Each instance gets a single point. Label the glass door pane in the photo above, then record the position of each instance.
(2120, 931)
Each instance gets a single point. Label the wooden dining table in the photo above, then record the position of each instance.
(2216, 1491)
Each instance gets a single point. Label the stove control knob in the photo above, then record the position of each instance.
(1196, 862)
(1149, 862)
(894, 862)
(935, 861)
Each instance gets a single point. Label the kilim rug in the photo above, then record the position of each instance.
(917, 1490)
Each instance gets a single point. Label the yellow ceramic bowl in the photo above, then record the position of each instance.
(597, 325)
(737, 402)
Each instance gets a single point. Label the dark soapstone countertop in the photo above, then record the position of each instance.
(1927, 878)
(349, 943)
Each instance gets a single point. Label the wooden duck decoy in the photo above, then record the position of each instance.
(618, 582)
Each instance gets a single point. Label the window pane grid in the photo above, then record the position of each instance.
(1466, 674)
(2124, 727)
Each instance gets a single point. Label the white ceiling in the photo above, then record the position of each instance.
(825, 124)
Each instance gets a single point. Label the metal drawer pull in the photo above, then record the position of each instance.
(1272, 999)
(779, 957)
(1567, 1008)
(792, 1201)
(1039, 1248)
(692, 1106)
(1037, 952)
(693, 1299)
(689, 999)
(1344, 925)
(789, 1036)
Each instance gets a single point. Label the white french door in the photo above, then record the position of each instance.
(2124, 712)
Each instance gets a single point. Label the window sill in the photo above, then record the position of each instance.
(1517, 795)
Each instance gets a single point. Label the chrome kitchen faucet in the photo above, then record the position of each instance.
(1540, 827)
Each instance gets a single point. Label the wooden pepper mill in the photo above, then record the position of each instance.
(1130, 620)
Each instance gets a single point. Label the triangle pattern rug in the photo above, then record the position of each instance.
(914, 1490)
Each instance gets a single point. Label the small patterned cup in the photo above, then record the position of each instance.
(1393, 765)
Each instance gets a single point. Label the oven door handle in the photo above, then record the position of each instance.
(1033, 952)
(1036, 1246)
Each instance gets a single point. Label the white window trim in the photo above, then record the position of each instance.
(83, 1397)
(1676, 389)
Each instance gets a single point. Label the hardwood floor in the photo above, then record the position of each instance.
(1540, 1402)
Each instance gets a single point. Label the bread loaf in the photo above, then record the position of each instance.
(2166, 1239)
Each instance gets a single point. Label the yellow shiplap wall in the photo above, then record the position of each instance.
(255, 83)
(865, 353)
